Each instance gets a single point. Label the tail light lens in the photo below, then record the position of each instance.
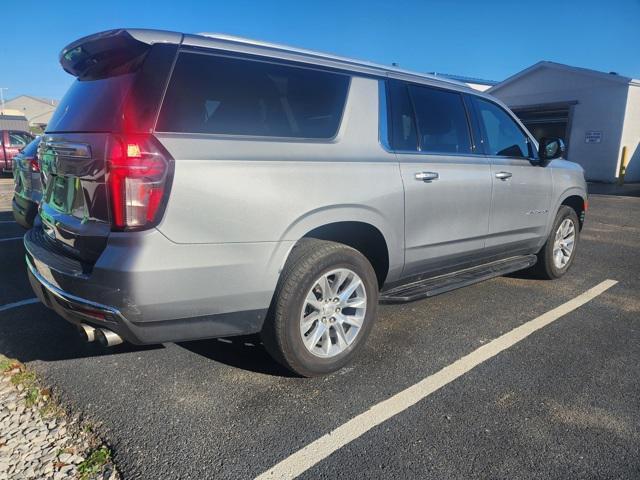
(138, 175)
(34, 165)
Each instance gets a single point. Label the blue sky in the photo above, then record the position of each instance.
(486, 39)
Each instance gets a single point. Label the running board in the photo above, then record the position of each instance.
(430, 287)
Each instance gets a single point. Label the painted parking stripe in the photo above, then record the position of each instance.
(9, 306)
(8, 221)
(316, 451)
(11, 239)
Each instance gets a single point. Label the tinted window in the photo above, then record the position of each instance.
(92, 105)
(442, 120)
(502, 135)
(403, 128)
(115, 93)
(220, 95)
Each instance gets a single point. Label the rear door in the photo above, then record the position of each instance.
(447, 185)
(522, 187)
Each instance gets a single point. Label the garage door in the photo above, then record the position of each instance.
(550, 121)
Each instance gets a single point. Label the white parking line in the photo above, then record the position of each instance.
(9, 306)
(11, 239)
(8, 221)
(320, 449)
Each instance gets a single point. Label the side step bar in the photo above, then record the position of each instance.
(430, 287)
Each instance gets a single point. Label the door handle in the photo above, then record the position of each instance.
(503, 175)
(427, 176)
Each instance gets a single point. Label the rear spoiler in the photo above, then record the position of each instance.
(95, 55)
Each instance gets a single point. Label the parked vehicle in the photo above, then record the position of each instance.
(12, 142)
(207, 186)
(28, 184)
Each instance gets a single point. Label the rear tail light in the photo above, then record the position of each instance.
(34, 165)
(138, 176)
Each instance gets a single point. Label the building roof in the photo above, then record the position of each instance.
(462, 78)
(47, 101)
(612, 76)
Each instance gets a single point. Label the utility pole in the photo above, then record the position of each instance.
(2, 89)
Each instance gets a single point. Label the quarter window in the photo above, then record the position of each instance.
(222, 95)
(502, 135)
(403, 127)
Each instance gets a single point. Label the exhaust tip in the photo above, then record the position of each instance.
(107, 338)
(87, 332)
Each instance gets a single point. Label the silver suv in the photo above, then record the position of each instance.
(203, 186)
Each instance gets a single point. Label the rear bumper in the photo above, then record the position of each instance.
(150, 290)
(78, 310)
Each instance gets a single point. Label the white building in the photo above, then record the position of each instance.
(596, 113)
(37, 110)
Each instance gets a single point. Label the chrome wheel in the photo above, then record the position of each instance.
(564, 243)
(333, 312)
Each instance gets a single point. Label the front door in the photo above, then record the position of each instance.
(522, 187)
(447, 186)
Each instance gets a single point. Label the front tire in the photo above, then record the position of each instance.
(323, 308)
(558, 253)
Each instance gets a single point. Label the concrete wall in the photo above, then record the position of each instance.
(601, 106)
(631, 134)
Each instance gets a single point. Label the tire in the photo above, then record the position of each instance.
(546, 267)
(310, 261)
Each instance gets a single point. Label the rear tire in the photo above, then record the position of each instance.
(312, 301)
(555, 258)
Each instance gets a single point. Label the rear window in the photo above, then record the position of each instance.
(19, 139)
(92, 105)
(230, 96)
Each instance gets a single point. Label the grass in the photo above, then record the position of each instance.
(5, 364)
(27, 381)
(94, 463)
(22, 377)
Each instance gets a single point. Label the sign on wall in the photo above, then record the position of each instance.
(593, 136)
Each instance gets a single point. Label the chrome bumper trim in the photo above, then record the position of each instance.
(67, 297)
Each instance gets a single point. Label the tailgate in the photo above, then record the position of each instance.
(74, 209)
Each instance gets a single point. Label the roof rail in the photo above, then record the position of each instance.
(328, 56)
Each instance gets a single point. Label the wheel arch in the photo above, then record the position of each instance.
(351, 224)
(362, 236)
(578, 204)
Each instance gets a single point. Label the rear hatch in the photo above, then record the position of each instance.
(115, 98)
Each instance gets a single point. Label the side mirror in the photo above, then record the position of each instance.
(550, 149)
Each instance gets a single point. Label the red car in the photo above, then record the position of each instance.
(12, 142)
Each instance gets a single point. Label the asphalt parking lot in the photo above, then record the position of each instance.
(564, 402)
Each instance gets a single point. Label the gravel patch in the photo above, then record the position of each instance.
(37, 440)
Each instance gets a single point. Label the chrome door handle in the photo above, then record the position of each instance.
(503, 175)
(427, 176)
